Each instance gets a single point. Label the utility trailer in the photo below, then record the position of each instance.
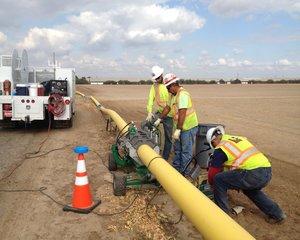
(30, 94)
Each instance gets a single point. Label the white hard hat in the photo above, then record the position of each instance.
(170, 78)
(157, 72)
(212, 133)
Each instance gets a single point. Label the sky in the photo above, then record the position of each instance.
(123, 39)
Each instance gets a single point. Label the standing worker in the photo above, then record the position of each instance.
(160, 95)
(185, 122)
(237, 164)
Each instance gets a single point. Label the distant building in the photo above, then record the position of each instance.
(97, 83)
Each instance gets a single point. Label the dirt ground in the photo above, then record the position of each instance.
(269, 115)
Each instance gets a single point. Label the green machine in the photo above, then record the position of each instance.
(124, 156)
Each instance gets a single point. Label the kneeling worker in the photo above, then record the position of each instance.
(237, 164)
(184, 119)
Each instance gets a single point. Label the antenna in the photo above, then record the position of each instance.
(24, 70)
(15, 67)
(54, 64)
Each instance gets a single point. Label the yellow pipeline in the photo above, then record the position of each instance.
(121, 124)
(208, 218)
(79, 93)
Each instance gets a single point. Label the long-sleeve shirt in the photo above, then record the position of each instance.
(216, 164)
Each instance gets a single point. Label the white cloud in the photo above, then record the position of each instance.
(206, 60)
(247, 63)
(237, 51)
(43, 38)
(177, 63)
(90, 61)
(162, 55)
(283, 62)
(130, 24)
(3, 37)
(235, 8)
(222, 61)
(151, 23)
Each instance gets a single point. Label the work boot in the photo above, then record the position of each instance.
(273, 220)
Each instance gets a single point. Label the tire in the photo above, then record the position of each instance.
(59, 124)
(8, 124)
(112, 165)
(119, 185)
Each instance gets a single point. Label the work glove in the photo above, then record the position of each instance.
(157, 122)
(176, 134)
(149, 117)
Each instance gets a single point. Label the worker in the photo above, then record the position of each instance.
(160, 96)
(237, 164)
(184, 120)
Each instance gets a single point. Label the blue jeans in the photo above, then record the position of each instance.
(183, 149)
(250, 182)
(168, 128)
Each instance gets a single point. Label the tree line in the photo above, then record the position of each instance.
(84, 80)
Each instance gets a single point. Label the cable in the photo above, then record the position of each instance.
(52, 150)
(148, 203)
(26, 156)
(116, 213)
(43, 142)
(40, 190)
(153, 160)
(120, 132)
(179, 220)
(94, 151)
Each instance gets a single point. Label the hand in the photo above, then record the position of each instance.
(149, 117)
(157, 122)
(176, 134)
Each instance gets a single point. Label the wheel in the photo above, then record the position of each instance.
(112, 165)
(70, 122)
(119, 185)
(58, 124)
(8, 124)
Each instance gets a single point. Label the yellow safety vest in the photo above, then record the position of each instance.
(191, 119)
(160, 95)
(160, 102)
(241, 154)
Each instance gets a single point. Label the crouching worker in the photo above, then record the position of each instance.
(237, 164)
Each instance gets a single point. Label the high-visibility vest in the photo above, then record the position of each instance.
(159, 101)
(190, 120)
(160, 95)
(241, 154)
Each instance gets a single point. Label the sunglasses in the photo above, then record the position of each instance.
(168, 87)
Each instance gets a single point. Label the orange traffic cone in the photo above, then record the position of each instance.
(82, 201)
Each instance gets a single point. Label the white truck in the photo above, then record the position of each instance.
(30, 94)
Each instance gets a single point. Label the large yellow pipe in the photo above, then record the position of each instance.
(121, 124)
(79, 93)
(207, 217)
